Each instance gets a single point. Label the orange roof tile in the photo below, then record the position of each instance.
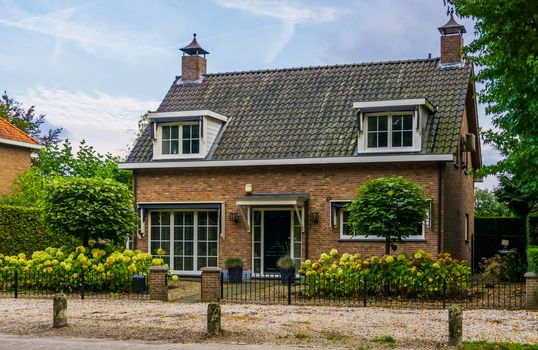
(9, 131)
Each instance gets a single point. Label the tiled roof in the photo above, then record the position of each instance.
(307, 112)
(10, 132)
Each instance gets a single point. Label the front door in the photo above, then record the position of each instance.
(277, 226)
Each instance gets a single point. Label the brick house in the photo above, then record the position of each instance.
(16, 149)
(260, 163)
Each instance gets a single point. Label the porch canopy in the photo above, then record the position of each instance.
(263, 200)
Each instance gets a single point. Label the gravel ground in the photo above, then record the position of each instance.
(329, 327)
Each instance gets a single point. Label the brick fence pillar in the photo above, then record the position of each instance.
(211, 284)
(531, 290)
(158, 283)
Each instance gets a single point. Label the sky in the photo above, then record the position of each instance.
(93, 67)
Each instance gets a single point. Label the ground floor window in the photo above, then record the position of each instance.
(189, 238)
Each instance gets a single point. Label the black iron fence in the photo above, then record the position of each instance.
(469, 292)
(14, 283)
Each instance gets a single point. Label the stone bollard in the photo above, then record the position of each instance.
(213, 319)
(455, 325)
(59, 311)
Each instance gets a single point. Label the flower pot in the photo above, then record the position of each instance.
(235, 274)
(288, 274)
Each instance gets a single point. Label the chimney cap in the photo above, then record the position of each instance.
(452, 27)
(194, 48)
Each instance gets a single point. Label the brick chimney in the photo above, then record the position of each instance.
(451, 41)
(193, 66)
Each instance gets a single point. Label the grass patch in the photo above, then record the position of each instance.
(301, 336)
(385, 339)
(484, 345)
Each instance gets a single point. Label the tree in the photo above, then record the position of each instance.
(391, 208)
(26, 120)
(506, 51)
(59, 160)
(519, 201)
(90, 208)
(487, 205)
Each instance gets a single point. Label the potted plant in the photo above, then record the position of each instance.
(286, 266)
(234, 265)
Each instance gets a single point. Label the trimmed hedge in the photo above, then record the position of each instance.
(22, 231)
(532, 259)
(532, 229)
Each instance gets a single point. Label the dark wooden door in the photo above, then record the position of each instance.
(277, 226)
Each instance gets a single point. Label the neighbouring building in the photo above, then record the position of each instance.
(261, 163)
(16, 149)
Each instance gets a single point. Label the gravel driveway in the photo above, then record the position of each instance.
(329, 327)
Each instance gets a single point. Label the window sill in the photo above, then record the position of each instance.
(376, 240)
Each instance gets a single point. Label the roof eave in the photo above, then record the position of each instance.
(20, 144)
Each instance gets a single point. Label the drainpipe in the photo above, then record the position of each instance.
(439, 208)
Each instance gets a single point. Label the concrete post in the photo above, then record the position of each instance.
(531, 290)
(455, 325)
(158, 283)
(213, 319)
(211, 284)
(59, 311)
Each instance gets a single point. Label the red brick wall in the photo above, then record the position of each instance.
(321, 182)
(459, 201)
(13, 162)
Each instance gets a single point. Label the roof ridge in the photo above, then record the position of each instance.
(253, 71)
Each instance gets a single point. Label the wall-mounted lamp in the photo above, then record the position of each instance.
(234, 217)
(314, 218)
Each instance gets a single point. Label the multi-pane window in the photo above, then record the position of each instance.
(392, 130)
(180, 139)
(170, 143)
(345, 228)
(191, 139)
(160, 234)
(190, 238)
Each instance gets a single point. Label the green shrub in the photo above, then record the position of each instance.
(233, 261)
(532, 258)
(22, 231)
(59, 269)
(335, 275)
(506, 267)
(532, 229)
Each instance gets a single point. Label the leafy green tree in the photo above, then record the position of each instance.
(520, 202)
(59, 160)
(487, 205)
(90, 208)
(391, 208)
(506, 51)
(26, 120)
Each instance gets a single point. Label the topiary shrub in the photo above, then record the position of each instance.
(532, 229)
(22, 231)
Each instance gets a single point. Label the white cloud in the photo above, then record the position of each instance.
(69, 26)
(107, 122)
(289, 13)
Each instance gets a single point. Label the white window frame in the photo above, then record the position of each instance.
(466, 229)
(421, 237)
(170, 254)
(416, 139)
(159, 139)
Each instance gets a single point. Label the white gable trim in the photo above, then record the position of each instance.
(296, 161)
(20, 144)
(201, 112)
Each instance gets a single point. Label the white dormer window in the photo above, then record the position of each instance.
(182, 138)
(392, 126)
(389, 130)
(184, 134)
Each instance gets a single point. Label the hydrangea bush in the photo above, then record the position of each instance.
(59, 269)
(420, 275)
